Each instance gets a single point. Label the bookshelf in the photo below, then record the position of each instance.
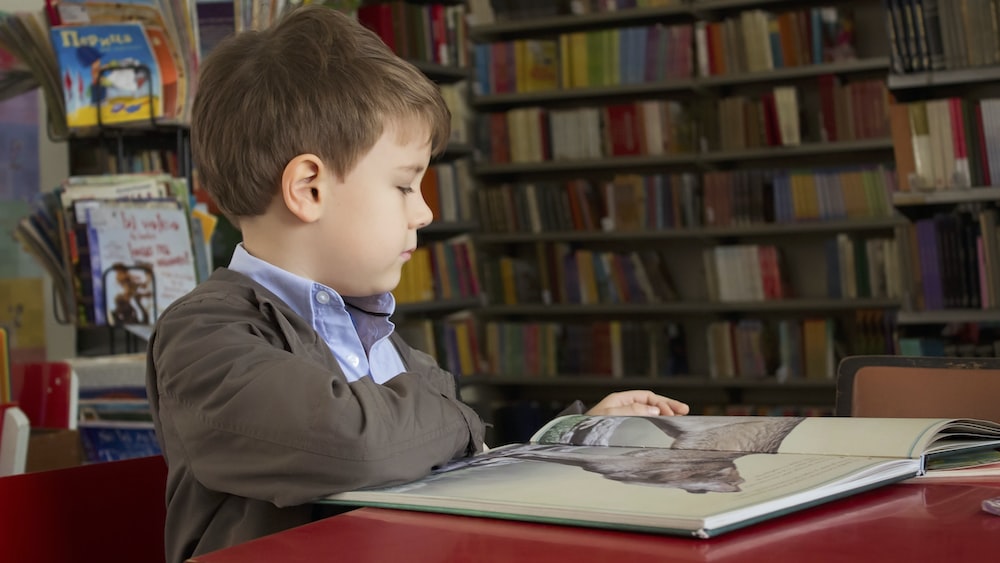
(945, 79)
(439, 285)
(521, 225)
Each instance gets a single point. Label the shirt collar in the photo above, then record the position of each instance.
(369, 314)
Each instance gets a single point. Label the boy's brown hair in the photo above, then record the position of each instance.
(317, 82)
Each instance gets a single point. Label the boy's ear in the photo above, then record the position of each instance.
(301, 187)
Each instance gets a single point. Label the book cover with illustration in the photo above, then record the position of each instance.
(111, 67)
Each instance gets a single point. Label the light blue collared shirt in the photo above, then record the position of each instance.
(357, 331)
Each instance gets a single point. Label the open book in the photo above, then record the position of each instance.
(688, 475)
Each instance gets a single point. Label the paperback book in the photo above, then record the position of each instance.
(111, 69)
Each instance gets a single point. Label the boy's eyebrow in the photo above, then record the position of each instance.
(415, 168)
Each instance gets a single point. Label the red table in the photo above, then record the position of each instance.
(905, 522)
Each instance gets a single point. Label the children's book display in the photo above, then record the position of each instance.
(100, 63)
(697, 476)
(120, 248)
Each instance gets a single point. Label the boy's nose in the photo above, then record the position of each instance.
(422, 214)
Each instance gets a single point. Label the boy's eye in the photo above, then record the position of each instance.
(405, 189)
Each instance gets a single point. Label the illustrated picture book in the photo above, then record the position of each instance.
(697, 476)
(111, 67)
(141, 259)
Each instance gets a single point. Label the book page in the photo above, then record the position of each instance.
(805, 435)
(639, 487)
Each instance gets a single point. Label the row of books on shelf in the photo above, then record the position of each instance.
(745, 272)
(440, 270)
(942, 348)
(759, 40)
(454, 341)
(100, 160)
(604, 348)
(119, 248)
(928, 35)
(455, 96)
(947, 143)
(863, 268)
(780, 350)
(432, 32)
(749, 349)
(447, 189)
(631, 202)
(584, 59)
(794, 349)
(960, 340)
(560, 274)
(489, 11)
(856, 268)
(855, 111)
(753, 41)
(557, 273)
(954, 260)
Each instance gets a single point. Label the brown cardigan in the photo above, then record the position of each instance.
(256, 419)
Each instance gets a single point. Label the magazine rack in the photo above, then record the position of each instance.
(116, 135)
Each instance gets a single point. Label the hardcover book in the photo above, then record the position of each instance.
(697, 476)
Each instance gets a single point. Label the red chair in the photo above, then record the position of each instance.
(109, 512)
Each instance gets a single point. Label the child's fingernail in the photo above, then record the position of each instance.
(653, 411)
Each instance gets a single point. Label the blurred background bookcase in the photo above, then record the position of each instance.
(945, 79)
(772, 167)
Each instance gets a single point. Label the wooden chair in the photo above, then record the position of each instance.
(899, 386)
(109, 512)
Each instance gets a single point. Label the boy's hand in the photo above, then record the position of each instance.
(638, 403)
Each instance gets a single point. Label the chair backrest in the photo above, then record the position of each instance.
(110, 512)
(900, 386)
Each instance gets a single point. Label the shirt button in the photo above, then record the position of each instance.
(323, 297)
(354, 360)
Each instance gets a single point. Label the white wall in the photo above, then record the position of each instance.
(53, 167)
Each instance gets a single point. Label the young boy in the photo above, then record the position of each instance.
(279, 380)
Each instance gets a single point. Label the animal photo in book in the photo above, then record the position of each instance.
(693, 454)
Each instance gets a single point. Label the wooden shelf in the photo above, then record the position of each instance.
(632, 16)
(689, 308)
(572, 94)
(678, 382)
(876, 64)
(573, 22)
(740, 231)
(437, 306)
(441, 73)
(805, 149)
(957, 195)
(690, 160)
(972, 75)
(449, 227)
(947, 316)
(457, 150)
